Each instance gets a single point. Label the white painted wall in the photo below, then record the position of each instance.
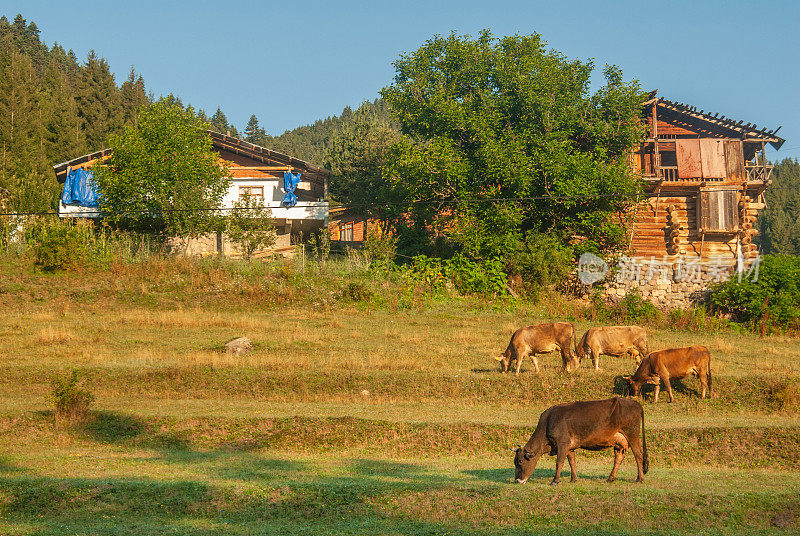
(273, 194)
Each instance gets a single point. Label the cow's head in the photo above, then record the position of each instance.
(524, 464)
(573, 364)
(633, 386)
(504, 360)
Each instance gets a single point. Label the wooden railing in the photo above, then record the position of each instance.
(668, 173)
(758, 172)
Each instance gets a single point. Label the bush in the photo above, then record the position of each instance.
(379, 248)
(71, 403)
(632, 309)
(770, 300)
(541, 260)
(465, 275)
(357, 291)
(250, 225)
(57, 245)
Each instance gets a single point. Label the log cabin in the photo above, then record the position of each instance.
(704, 177)
(254, 171)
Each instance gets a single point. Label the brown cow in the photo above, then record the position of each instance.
(540, 339)
(612, 340)
(593, 425)
(673, 363)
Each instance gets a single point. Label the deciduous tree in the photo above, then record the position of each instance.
(163, 175)
(492, 119)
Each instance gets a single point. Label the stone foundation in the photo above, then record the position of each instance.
(668, 285)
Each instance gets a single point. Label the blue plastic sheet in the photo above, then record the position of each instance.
(80, 189)
(290, 182)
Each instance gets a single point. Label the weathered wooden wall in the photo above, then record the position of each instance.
(666, 226)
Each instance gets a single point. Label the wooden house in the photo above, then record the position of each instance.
(254, 171)
(704, 179)
(348, 229)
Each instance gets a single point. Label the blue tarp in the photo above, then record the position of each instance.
(290, 182)
(80, 189)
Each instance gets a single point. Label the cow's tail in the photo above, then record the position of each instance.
(645, 458)
(708, 376)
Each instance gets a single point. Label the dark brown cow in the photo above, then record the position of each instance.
(678, 363)
(540, 339)
(592, 425)
(612, 340)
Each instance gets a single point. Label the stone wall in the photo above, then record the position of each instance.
(675, 285)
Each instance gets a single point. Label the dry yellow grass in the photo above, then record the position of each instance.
(58, 335)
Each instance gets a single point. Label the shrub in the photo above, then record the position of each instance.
(632, 309)
(358, 291)
(541, 260)
(71, 403)
(379, 248)
(57, 245)
(465, 275)
(320, 244)
(250, 225)
(772, 299)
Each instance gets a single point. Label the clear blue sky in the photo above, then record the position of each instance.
(293, 62)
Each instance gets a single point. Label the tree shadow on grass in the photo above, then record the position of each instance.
(114, 427)
(7, 468)
(486, 370)
(506, 476)
(622, 388)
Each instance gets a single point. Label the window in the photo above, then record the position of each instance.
(346, 232)
(718, 210)
(253, 191)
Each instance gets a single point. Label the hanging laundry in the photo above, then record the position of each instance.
(80, 189)
(290, 182)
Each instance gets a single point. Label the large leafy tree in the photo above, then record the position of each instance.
(163, 175)
(490, 119)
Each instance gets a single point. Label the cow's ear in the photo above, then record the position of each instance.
(498, 357)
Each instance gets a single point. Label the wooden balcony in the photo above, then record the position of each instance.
(758, 172)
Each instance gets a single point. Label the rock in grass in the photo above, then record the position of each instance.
(238, 346)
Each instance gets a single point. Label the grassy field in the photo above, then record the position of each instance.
(372, 412)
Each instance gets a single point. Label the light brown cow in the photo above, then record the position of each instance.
(540, 339)
(593, 425)
(677, 363)
(612, 340)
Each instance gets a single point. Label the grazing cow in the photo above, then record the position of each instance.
(593, 425)
(612, 340)
(673, 363)
(540, 339)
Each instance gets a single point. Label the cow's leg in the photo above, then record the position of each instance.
(619, 454)
(520, 358)
(562, 453)
(658, 390)
(703, 381)
(571, 459)
(535, 362)
(665, 379)
(596, 359)
(638, 455)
